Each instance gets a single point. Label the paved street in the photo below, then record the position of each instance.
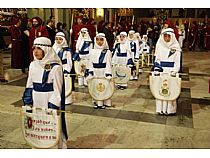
(131, 122)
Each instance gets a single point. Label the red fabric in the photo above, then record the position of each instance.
(40, 31)
(92, 31)
(76, 29)
(176, 33)
(193, 36)
(16, 39)
(207, 38)
(15, 21)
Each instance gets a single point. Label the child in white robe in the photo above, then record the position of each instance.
(44, 88)
(64, 53)
(122, 55)
(168, 54)
(83, 47)
(100, 64)
(133, 45)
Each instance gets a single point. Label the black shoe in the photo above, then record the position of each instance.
(122, 88)
(171, 114)
(160, 113)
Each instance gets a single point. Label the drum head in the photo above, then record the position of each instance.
(165, 87)
(101, 88)
(68, 84)
(121, 74)
(80, 67)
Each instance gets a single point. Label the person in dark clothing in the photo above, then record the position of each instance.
(109, 35)
(59, 27)
(2, 42)
(51, 30)
(25, 43)
(16, 39)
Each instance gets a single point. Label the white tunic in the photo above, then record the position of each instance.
(134, 48)
(121, 54)
(102, 61)
(42, 99)
(168, 60)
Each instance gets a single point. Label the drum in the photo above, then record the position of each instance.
(68, 84)
(121, 74)
(40, 130)
(101, 88)
(165, 87)
(136, 63)
(80, 66)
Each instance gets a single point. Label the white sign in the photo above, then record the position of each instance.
(40, 130)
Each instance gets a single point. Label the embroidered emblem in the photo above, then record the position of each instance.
(164, 91)
(28, 122)
(47, 67)
(100, 87)
(83, 67)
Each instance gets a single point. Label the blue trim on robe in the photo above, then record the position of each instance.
(130, 62)
(166, 64)
(102, 56)
(85, 45)
(108, 75)
(66, 72)
(64, 61)
(27, 96)
(76, 57)
(170, 53)
(67, 49)
(46, 74)
(117, 47)
(133, 47)
(86, 72)
(99, 65)
(83, 52)
(90, 73)
(38, 87)
(122, 54)
(158, 67)
(60, 54)
(53, 106)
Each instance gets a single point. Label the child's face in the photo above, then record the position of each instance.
(167, 37)
(58, 40)
(99, 41)
(83, 34)
(38, 53)
(122, 37)
(131, 35)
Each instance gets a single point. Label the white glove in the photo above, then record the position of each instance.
(28, 107)
(130, 66)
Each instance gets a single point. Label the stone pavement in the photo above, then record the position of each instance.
(131, 122)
